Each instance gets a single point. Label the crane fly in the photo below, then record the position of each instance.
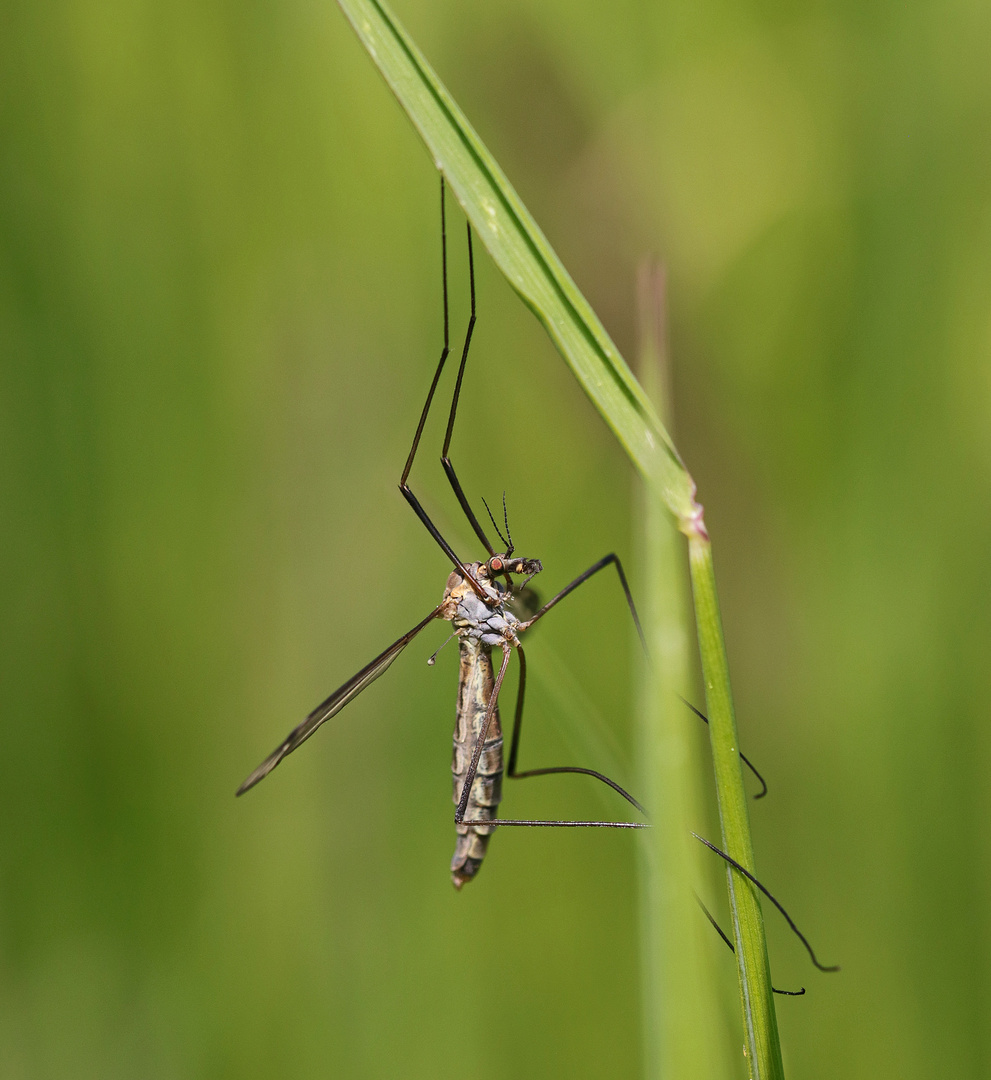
(478, 601)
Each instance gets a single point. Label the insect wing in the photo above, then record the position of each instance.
(333, 705)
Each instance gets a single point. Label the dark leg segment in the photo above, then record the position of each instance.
(447, 341)
(403, 485)
(459, 814)
(743, 757)
(732, 948)
(511, 770)
(498, 822)
(788, 919)
(445, 460)
(580, 580)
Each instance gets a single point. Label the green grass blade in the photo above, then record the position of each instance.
(522, 252)
(759, 1019)
(681, 966)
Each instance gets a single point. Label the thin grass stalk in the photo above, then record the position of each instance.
(680, 997)
(756, 997)
(533, 269)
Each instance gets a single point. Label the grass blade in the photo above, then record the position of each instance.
(759, 1018)
(680, 963)
(522, 253)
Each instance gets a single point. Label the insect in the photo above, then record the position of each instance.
(478, 601)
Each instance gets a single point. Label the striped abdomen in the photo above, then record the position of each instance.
(474, 694)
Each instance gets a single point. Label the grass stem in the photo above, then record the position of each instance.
(759, 1019)
(678, 964)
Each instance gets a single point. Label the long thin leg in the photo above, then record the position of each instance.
(403, 485)
(777, 903)
(459, 814)
(511, 769)
(469, 779)
(514, 747)
(445, 460)
(580, 580)
(743, 757)
(732, 948)
(496, 822)
(447, 340)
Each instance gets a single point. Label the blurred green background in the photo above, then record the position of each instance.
(219, 313)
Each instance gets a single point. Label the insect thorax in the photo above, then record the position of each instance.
(489, 620)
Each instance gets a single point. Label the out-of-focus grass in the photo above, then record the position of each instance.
(218, 298)
(683, 1032)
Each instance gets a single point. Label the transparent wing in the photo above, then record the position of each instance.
(333, 705)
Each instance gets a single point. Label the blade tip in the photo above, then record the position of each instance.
(246, 786)
(259, 774)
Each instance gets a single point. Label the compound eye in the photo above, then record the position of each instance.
(495, 564)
